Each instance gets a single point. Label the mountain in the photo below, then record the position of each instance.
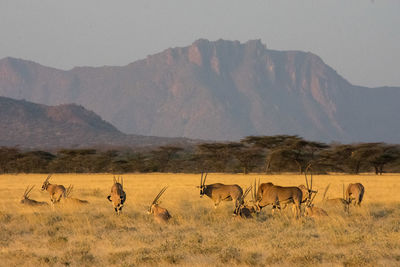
(217, 90)
(31, 125)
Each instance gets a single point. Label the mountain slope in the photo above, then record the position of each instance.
(217, 90)
(32, 125)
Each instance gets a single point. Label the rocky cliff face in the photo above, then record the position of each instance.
(217, 90)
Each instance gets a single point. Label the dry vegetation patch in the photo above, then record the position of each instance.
(198, 234)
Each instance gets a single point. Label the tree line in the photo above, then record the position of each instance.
(264, 154)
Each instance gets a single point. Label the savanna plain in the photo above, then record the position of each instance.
(197, 234)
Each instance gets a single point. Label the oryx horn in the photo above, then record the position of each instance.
(159, 195)
(28, 190)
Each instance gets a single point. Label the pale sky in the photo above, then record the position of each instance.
(360, 39)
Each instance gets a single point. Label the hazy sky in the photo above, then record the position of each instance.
(360, 39)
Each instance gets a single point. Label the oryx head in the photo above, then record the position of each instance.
(203, 184)
(155, 201)
(46, 183)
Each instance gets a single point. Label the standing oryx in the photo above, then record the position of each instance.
(220, 192)
(160, 214)
(31, 202)
(270, 194)
(56, 191)
(117, 196)
(355, 192)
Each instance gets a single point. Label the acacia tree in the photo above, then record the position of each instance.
(295, 150)
(215, 156)
(165, 158)
(375, 154)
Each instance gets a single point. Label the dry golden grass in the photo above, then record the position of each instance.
(197, 235)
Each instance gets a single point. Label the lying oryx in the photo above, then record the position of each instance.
(31, 202)
(161, 215)
(117, 196)
(220, 192)
(242, 210)
(312, 211)
(71, 200)
(336, 202)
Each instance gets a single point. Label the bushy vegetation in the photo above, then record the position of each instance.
(270, 154)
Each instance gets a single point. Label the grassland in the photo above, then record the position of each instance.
(198, 234)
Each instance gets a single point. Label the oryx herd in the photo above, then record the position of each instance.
(262, 195)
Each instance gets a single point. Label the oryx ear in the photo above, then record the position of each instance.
(109, 198)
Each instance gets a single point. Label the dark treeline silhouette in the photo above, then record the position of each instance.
(269, 154)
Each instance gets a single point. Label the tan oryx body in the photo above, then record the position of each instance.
(71, 200)
(117, 196)
(31, 202)
(315, 212)
(220, 192)
(312, 211)
(355, 192)
(56, 191)
(335, 202)
(270, 194)
(161, 215)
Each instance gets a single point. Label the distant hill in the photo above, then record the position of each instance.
(217, 90)
(30, 125)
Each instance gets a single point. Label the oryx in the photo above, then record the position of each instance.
(71, 200)
(270, 194)
(244, 211)
(220, 192)
(312, 211)
(118, 195)
(355, 192)
(161, 215)
(336, 202)
(31, 202)
(56, 191)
